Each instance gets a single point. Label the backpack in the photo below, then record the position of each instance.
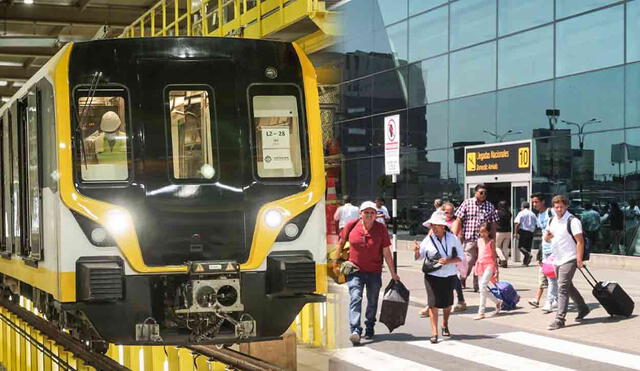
(586, 253)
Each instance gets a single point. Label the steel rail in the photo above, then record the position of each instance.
(234, 358)
(68, 342)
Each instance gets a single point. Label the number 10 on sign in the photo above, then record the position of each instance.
(392, 145)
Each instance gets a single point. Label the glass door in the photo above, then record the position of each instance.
(519, 193)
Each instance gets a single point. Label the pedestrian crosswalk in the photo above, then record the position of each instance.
(517, 350)
(486, 356)
(589, 352)
(369, 359)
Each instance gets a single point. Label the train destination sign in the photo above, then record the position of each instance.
(498, 158)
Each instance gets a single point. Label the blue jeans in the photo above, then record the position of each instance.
(357, 283)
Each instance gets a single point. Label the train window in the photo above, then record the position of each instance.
(103, 130)
(277, 136)
(191, 144)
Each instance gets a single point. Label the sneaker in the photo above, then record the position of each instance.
(368, 335)
(355, 338)
(583, 313)
(526, 260)
(479, 316)
(460, 307)
(546, 309)
(534, 303)
(556, 324)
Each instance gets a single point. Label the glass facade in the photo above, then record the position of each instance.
(468, 71)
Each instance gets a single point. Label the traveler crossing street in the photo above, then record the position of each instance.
(567, 244)
(439, 252)
(448, 210)
(369, 244)
(487, 270)
(470, 215)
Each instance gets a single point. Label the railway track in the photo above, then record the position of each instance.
(230, 358)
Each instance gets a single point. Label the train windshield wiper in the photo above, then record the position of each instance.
(93, 87)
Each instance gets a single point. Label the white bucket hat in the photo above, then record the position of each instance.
(368, 205)
(110, 122)
(437, 218)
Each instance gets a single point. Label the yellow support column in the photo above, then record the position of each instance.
(11, 335)
(153, 358)
(185, 359)
(132, 357)
(113, 352)
(55, 349)
(176, 15)
(202, 363)
(330, 321)
(172, 357)
(47, 361)
(32, 359)
(306, 316)
(164, 18)
(317, 324)
(39, 354)
(3, 339)
(23, 346)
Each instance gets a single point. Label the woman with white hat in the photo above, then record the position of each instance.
(439, 251)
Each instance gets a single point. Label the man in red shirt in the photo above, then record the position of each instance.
(369, 243)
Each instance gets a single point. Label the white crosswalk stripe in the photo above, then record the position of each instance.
(486, 356)
(369, 359)
(589, 352)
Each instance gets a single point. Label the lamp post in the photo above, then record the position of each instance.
(500, 138)
(552, 114)
(581, 129)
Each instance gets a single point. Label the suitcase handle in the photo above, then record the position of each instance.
(595, 281)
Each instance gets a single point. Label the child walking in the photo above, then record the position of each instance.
(487, 270)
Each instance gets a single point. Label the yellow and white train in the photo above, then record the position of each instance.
(165, 190)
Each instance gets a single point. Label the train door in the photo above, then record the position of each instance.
(7, 184)
(3, 242)
(29, 187)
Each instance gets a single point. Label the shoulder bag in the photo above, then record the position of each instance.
(431, 264)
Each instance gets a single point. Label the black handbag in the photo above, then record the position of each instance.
(431, 264)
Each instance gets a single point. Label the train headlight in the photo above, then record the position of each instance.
(98, 235)
(273, 218)
(116, 221)
(291, 230)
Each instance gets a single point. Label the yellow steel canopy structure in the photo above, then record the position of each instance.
(306, 22)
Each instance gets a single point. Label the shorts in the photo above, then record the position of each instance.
(543, 281)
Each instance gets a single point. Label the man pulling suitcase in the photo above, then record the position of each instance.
(564, 232)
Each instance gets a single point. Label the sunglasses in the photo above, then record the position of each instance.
(482, 192)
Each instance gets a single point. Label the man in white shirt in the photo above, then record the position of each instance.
(525, 224)
(567, 243)
(383, 213)
(345, 213)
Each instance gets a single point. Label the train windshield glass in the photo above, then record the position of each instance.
(103, 130)
(277, 133)
(191, 144)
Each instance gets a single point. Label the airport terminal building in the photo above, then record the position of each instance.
(561, 77)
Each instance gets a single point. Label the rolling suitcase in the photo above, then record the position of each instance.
(611, 296)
